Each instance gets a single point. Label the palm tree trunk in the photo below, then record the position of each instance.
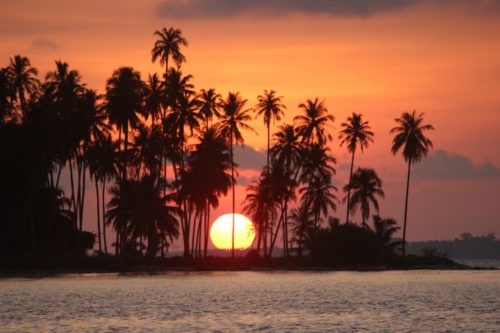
(207, 231)
(72, 183)
(406, 206)
(98, 202)
(104, 216)
(349, 189)
(22, 102)
(194, 233)
(58, 178)
(273, 238)
(82, 198)
(234, 196)
(123, 236)
(268, 145)
(267, 171)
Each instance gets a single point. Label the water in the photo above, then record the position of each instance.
(437, 301)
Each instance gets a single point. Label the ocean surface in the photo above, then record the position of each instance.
(400, 301)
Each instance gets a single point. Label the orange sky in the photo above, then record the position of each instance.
(443, 59)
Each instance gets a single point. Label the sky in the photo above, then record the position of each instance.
(378, 58)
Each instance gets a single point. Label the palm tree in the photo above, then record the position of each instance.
(318, 197)
(278, 186)
(64, 88)
(365, 187)
(355, 132)
(107, 171)
(317, 162)
(152, 217)
(148, 148)
(124, 101)
(286, 152)
(384, 231)
(210, 103)
(270, 107)
(302, 222)
(311, 124)
(7, 96)
(232, 119)
(255, 205)
(168, 45)
(207, 177)
(411, 138)
(23, 78)
(154, 99)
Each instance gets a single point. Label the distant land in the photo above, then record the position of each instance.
(466, 246)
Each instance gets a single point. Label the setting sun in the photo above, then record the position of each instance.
(221, 232)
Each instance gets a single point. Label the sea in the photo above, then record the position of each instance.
(254, 301)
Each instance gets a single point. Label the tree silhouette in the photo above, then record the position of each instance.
(255, 205)
(384, 230)
(168, 45)
(355, 132)
(207, 178)
(7, 96)
(269, 106)
(233, 118)
(124, 102)
(365, 186)
(410, 137)
(101, 158)
(313, 122)
(286, 151)
(154, 98)
(23, 79)
(318, 197)
(210, 104)
(303, 225)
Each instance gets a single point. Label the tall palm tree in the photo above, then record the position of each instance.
(168, 45)
(286, 152)
(278, 186)
(183, 116)
(7, 96)
(233, 118)
(269, 106)
(355, 132)
(23, 78)
(64, 88)
(410, 136)
(107, 172)
(208, 178)
(154, 99)
(210, 104)
(101, 159)
(312, 124)
(124, 102)
(365, 187)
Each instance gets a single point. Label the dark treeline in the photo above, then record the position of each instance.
(466, 246)
(160, 156)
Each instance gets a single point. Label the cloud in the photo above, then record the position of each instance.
(44, 44)
(445, 165)
(229, 8)
(244, 180)
(248, 158)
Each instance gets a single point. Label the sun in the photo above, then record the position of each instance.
(221, 232)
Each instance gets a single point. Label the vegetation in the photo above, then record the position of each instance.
(411, 139)
(160, 155)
